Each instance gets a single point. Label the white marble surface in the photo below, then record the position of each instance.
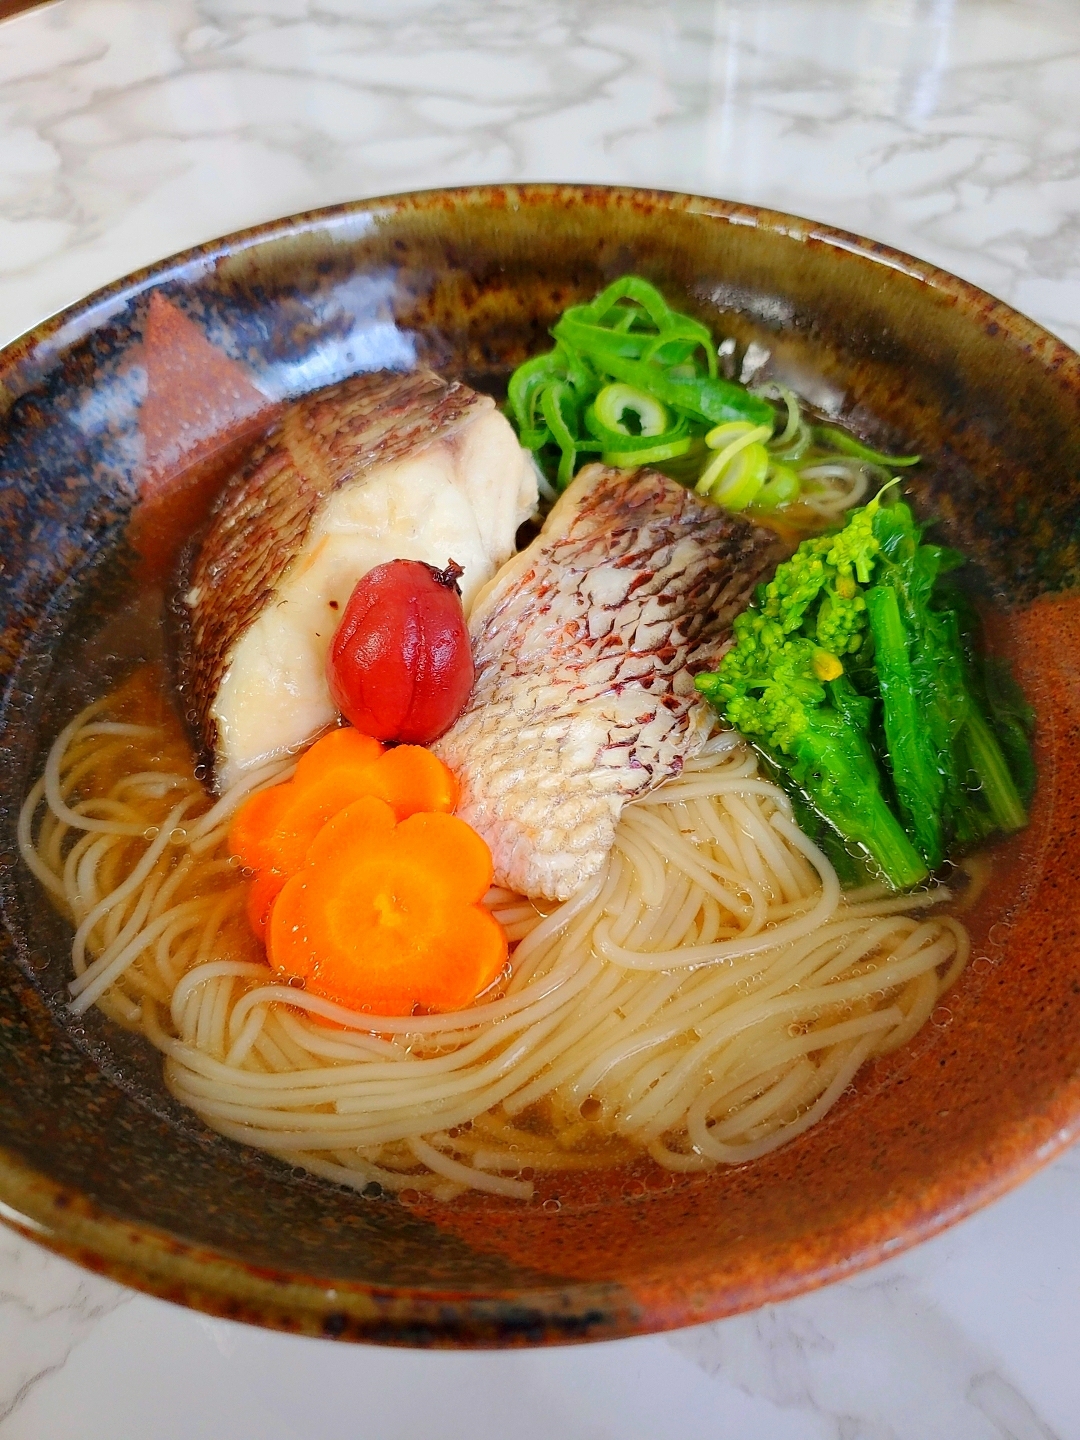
(132, 128)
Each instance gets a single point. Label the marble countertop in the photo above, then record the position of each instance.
(130, 129)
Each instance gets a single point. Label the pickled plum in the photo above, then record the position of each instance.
(400, 665)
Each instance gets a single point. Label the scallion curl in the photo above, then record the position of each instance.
(833, 438)
(627, 351)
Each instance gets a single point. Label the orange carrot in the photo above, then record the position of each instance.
(274, 829)
(272, 832)
(343, 749)
(410, 779)
(384, 917)
(261, 834)
(260, 901)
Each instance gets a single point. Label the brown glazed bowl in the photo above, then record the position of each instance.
(170, 372)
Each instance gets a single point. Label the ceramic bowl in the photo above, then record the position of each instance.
(170, 372)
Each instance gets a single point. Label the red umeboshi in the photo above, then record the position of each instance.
(400, 664)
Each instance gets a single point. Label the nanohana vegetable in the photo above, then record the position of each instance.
(273, 831)
(854, 649)
(385, 916)
(979, 793)
(633, 382)
(400, 666)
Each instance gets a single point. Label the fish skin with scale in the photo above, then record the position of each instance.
(586, 645)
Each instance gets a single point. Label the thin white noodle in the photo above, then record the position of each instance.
(468, 1174)
(708, 996)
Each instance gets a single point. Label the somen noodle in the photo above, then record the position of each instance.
(709, 996)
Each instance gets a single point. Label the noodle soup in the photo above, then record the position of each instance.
(704, 917)
(708, 997)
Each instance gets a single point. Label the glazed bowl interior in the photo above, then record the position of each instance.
(123, 411)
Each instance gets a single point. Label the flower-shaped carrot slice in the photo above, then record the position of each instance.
(384, 916)
(337, 752)
(411, 779)
(264, 890)
(273, 831)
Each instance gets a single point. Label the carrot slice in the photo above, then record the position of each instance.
(411, 778)
(337, 750)
(452, 852)
(273, 831)
(254, 831)
(265, 889)
(366, 819)
(384, 917)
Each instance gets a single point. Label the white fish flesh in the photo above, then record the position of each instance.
(381, 467)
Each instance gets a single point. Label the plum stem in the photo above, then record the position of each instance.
(448, 577)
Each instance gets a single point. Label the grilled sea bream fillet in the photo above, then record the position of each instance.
(585, 646)
(381, 467)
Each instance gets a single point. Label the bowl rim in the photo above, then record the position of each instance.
(146, 1258)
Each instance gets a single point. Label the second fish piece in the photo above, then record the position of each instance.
(586, 645)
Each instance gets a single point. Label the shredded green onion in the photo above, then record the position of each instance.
(781, 487)
(627, 354)
(836, 439)
(613, 402)
(742, 480)
(652, 455)
(634, 382)
(728, 478)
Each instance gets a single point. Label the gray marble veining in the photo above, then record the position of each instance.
(949, 129)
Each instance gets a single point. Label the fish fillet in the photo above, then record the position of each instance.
(586, 645)
(381, 467)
